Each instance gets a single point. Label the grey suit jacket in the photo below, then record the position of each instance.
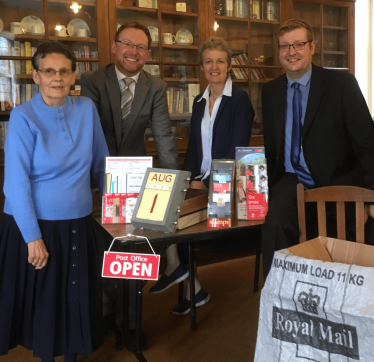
(149, 104)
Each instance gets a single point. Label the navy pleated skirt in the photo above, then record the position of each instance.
(56, 310)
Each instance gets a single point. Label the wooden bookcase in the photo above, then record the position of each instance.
(250, 28)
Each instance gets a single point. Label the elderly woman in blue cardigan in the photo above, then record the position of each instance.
(50, 291)
(221, 120)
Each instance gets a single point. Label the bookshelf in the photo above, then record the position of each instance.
(249, 26)
(44, 17)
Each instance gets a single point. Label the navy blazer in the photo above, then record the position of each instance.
(232, 128)
(337, 135)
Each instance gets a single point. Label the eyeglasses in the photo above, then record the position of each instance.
(296, 46)
(129, 45)
(50, 72)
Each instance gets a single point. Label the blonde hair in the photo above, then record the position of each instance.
(215, 42)
(293, 24)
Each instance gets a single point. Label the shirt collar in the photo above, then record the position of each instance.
(227, 90)
(304, 80)
(121, 76)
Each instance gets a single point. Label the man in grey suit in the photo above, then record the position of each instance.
(127, 98)
(131, 48)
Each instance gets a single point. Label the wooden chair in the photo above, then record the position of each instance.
(340, 195)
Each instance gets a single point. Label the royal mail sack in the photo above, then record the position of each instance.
(318, 310)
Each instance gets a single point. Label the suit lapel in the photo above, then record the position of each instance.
(279, 109)
(114, 92)
(316, 92)
(141, 91)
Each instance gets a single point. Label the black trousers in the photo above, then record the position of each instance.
(281, 229)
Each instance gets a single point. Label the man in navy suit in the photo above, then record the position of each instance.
(335, 142)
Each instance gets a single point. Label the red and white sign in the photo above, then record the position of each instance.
(219, 223)
(257, 206)
(130, 266)
(221, 188)
(118, 208)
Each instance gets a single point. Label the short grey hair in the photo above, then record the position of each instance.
(52, 48)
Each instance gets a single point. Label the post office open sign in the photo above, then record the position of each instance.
(130, 266)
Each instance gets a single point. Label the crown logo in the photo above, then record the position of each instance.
(309, 301)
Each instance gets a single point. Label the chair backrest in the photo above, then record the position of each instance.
(340, 195)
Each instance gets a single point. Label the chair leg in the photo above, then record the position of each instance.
(257, 268)
(180, 292)
(191, 266)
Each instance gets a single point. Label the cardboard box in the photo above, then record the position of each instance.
(338, 251)
(317, 304)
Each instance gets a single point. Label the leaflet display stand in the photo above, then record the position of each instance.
(221, 195)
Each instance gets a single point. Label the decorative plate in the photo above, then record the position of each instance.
(29, 21)
(183, 36)
(75, 25)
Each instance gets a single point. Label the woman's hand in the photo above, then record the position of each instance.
(38, 254)
(197, 185)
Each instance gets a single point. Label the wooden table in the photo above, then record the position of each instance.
(199, 232)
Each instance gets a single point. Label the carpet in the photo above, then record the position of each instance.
(226, 326)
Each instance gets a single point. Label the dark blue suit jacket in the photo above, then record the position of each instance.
(232, 128)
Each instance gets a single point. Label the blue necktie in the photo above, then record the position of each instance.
(302, 174)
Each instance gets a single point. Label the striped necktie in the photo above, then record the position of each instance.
(126, 101)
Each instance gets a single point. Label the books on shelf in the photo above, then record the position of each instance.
(16, 51)
(229, 7)
(6, 101)
(260, 72)
(240, 9)
(244, 73)
(3, 130)
(28, 54)
(180, 98)
(82, 67)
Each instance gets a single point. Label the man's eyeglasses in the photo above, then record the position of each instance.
(296, 46)
(129, 45)
(50, 72)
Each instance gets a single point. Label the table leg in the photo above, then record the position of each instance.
(192, 285)
(138, 321)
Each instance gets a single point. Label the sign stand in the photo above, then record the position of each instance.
(148, 266)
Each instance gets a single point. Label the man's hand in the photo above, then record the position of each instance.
(197, 185)
(38, 254)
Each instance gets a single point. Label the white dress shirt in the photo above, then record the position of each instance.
(121, 76)
(207, 124)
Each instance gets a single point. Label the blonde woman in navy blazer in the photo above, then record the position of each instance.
(221, 120)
